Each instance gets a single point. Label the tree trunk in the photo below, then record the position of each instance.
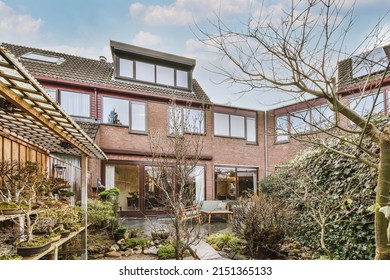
(323, 245)
(382, 198)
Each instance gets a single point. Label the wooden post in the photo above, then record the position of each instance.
(84, 197)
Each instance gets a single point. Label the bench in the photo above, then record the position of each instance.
(215, 207)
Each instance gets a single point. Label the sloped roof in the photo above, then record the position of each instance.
(97, 72)
(29, 113)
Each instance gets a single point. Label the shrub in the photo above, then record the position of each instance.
(166, 252)
(344, 184)
(110, 194)
(227, 239)
(136, 241)
(101, 214)
(261, 222)
(119, 233)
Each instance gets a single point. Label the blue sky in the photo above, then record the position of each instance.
(84, 27)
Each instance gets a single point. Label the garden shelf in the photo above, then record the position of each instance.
(54, 248)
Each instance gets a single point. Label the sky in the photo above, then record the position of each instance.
(85, 28)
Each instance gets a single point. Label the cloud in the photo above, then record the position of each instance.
(146, 39)
(15, 26)
(186, 12)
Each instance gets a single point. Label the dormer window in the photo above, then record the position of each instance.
(152, 67)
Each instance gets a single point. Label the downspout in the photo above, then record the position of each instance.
(265, 143)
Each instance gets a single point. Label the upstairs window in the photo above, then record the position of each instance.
(363, 104)
(313, 119)
(184, 120)
(235, 126)
(76, 103)
(125, 112)
(153, 73)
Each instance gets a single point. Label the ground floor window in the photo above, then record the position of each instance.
(234, 182)
(140, 185)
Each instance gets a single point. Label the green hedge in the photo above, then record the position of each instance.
(322, 178)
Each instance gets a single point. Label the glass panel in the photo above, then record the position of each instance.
(281, 128)
(126, 179)
(138, 116)
(165, 75)
(369, 62)
(237, 126)
(44, 58)
(126, 68)
(52, 93)
(194, 187)
(251, 130)
(300, 121)
(225, 183)
(175, 121)
(115, 111)
(157, 179)
(363, 105)
(246, 181)
(181, 78)
(194, 121)
(221, 124)
(76, 104)
(144, 71)
(322, 117)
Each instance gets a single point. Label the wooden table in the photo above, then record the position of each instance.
(216, 212)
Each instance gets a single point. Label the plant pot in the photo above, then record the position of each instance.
(28, 251)
(65, 233)
(11, 211)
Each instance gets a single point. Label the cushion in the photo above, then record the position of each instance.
(221, 206)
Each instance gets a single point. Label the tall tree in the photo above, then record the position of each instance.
(296, 52)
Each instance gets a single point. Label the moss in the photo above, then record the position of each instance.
(136, 241)
(35, 242)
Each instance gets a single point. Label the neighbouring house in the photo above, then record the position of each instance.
(119, 103)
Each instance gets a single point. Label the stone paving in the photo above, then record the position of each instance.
(203, 250)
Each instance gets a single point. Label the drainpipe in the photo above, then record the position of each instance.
(266, 143)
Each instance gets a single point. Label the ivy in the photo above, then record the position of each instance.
(325, 178)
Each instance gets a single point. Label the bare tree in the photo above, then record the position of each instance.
(175, 159)
(297, 53)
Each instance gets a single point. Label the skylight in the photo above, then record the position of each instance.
(43, 58)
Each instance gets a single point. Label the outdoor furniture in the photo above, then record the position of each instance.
(215, 207)
(190, 212)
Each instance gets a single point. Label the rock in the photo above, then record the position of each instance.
(151, 243)
(128, 253)
(232, 254)
(227, 249)
(239, 257)
(121, 242)
(113, 254)
(137, 249)
(114, 247)
(151, 251)
(156, 242)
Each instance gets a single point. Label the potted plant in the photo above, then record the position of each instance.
(30, 180)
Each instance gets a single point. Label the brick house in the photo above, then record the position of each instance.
(118, 103)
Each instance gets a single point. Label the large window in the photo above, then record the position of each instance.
(185, 120)
(235, 126)
(158, 181)
(363, 104)
(234, 182)
(304, 121)
(75, 103)
(125, 112)
(153, 73)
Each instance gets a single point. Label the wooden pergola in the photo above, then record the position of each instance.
(28, 113)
